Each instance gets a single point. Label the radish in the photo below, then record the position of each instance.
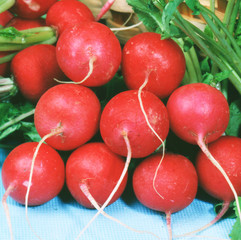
(89, 53)
(34, 69)
(227, 151)
(4, 67)
(22, 24)
(70, 112)
(64, 14)
(5, 17)
(162, 59)
(199, 114)
(122, 116)
(176, 181)
(47, 179)
(95, 166)
(31, 9)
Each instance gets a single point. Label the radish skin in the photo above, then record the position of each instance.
(65, 104)
(199, 114)
(176, 181)
(78, 45)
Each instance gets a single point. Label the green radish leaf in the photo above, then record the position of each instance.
(146, 12)
(236, 230)
(29, 131)
(10, 32)
(234, 126)
(12, 117)
(194, 6)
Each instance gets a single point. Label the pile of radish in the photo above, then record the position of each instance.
(65, 81)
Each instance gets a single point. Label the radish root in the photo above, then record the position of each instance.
(104, 9)
(127, 163)
(169, 228)
(224, 209)
(149, 125)
(5, 206)
(85, 190)
(205, 150)
(91, 68)
(126, 28)
(56, 131)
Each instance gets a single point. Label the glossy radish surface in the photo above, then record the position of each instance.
(176, 182)
(87, 42)
(96, 166)
(32, 9)
(65, 14)
(227, 151)
(48, 174)
(163, 60)
(123, 116)
(198, 112)
(22, 23)
(74, 109)
(34, 69)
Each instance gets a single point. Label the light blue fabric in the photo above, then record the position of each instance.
(63, 219)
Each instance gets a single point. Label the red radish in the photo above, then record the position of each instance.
(105, 9)
(31, 9)
(123, 116)
(34, 69)
(163, 60)
(227, 151)
(4, 67)
(199, 114)
(89, 53)
(48, 175)
(97, 167)
(5, 17)
(64, 14)
(71, 110)
(22, 24)
(47, 179)
(176, 181)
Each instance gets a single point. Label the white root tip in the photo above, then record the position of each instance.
(127, 163)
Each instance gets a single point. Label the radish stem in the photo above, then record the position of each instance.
(6, 4)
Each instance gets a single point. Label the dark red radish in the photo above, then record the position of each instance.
(34, 69)
(5, 17)
(123, 116)
(31, 9)
(65, 14)
(176, 182)
(97, 167)
(162, 59)
(4, 67)
(89, 54)
(70, 110)
(199, 114)
(22, 24)
(48, 174)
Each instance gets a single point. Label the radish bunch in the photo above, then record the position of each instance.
(64, 82)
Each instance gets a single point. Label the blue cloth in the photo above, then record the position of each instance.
(63, 219)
